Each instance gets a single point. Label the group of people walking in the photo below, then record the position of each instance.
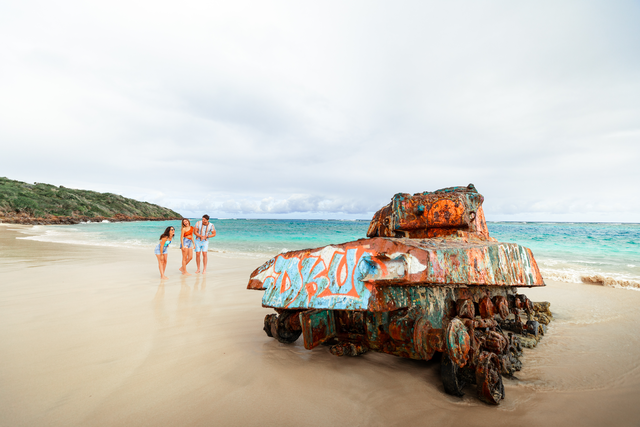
(190, 238)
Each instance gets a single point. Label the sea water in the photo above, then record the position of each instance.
(606, 253)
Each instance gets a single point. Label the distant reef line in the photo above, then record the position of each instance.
(38, 203)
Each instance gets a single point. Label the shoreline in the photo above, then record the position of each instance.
(70, 220)
(92, 336)
(600, 278)
(146, 247)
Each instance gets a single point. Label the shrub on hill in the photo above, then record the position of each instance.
(40, 200)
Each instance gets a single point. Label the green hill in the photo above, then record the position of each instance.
(22, 202)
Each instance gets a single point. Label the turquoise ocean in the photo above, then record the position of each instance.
(608, 253)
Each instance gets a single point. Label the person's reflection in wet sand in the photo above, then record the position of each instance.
(184, 305)
(201, 282)
(158, 304)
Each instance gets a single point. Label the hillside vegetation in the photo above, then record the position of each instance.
(22, 200)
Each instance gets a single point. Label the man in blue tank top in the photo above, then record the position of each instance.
(203, 231)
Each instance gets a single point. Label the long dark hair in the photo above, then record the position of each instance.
(167, 232)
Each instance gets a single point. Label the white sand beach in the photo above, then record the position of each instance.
(90, 336)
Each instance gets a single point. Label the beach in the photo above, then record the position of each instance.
(90, 336)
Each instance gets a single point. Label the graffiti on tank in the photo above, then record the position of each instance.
(331, 277)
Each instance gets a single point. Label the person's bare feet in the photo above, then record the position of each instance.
(204, 271)
(185, 273)
(163, 277)
(182, 270)
(198, 272)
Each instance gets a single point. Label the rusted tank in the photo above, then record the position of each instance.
(428, 280)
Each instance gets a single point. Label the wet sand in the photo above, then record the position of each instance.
(90, 337)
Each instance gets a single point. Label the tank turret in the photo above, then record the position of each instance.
(444, 212)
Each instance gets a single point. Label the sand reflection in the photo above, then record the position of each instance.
(187, 307)
(159, 309)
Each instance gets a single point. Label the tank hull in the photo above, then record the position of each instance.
(357, 275)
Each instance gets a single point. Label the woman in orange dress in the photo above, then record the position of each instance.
(187, 243)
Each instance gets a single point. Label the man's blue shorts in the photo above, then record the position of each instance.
(202, 245)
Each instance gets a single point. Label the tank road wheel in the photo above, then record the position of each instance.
(458, 341)
(488, 378)
(512, 362)
(451, 376)
(285, 327)
(268, 320)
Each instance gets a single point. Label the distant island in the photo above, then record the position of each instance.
(38, 203)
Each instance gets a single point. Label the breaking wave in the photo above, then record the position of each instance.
(599, 279)
(590, 279)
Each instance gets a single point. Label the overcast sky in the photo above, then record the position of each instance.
(326, 109)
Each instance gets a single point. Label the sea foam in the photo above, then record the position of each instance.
(571, 276)
(599, 279)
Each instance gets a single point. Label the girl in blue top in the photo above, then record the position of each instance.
(162, 248)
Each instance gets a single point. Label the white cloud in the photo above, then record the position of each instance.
(316, 206)
(274, 108)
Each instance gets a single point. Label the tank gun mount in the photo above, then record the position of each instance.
(448, 211)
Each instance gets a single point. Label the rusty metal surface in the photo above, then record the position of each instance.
(431, 214)
(318, 326)
(488, 378)
(429, 280)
